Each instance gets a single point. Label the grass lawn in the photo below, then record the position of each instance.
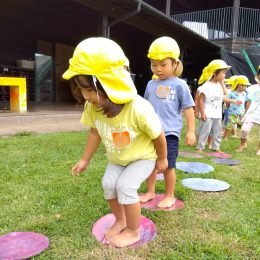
(37, 193)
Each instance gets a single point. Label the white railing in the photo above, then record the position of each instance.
(219, 24)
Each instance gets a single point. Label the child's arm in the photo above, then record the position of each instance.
(223, 85)
(161, 150)
(190, 134)
(91, 147)
(196, 100)
(201, 106)
(234, 101)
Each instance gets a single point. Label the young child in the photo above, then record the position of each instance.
(235, 112)
(169, 96)
(252, 115)
(127, 125)
(228, 82)
(210, 103)
(198, 116)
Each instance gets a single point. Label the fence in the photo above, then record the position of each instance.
(218, 23)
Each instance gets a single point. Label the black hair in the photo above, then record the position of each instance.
(86, 81)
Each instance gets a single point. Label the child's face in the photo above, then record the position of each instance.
(89, 94)
(163, 69)
(220, 76)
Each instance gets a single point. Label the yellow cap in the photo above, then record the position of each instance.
(166, 47)
(230, 80)
(103, 58)
(243, 80)
(208, 71)
(162, 48)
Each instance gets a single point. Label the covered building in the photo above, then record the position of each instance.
(38, 38)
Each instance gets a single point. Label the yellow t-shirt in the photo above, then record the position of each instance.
(127, 136)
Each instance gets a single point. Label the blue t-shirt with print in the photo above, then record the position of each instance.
(237, 109)
(168, 98)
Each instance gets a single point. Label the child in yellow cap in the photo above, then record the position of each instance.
(235, 112)
(252, 115)
(210, 104)
(127, 125)
(169, 96)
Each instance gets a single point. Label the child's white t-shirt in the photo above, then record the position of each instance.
(213, 99)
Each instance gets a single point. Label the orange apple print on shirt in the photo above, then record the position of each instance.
(121, 139)
(163, 91)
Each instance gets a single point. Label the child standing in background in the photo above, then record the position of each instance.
(228, 82)
(252, 115)
(235, 112)
(198, 116)
(128, 126)
(169, 96)
(210, 103)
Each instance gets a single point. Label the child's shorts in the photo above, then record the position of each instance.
(233, 121)
(172, 150)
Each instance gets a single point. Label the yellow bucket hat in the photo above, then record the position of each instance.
(208, 71)
(230, 80)
(103, 58)
(166, 47)
(243, 80)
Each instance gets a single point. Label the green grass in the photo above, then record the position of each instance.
(37, 193)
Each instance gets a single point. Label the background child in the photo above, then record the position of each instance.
(235, 112)
(228, 83)
(127, 125)
(198, 115)
(169, 96)
(210, 103)
(252, 115)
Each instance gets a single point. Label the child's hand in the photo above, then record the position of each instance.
(203, 117)
(238, 102)
(196, 113)
(190, 138)
(79, 167)
(161, 165)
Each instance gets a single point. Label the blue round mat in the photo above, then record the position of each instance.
(226, 161)
(200, 184)
(194, 167)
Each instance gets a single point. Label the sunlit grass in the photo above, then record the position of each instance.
(38, 194)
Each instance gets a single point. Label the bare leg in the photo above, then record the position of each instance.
(120, 222)
(210, 140)
(234, 132)
(258, 150)
(131, 233)
(170, 180)
(225, 133)
(150, 194)
(242, 146)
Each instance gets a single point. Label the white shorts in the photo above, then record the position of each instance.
(122, 182)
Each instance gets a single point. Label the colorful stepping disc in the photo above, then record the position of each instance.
(152, 204)
(190, 155)
(200, 184)
(226, 161)
(147, 229)
(219, 155)
(160, 177)
(22, 245)
(194, 167)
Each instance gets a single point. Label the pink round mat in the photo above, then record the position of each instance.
(191, 155)
(219, 155)
(22, 245)
(160, 177)
(147, 229)
(152, 204)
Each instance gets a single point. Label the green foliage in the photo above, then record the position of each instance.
(39, 194)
